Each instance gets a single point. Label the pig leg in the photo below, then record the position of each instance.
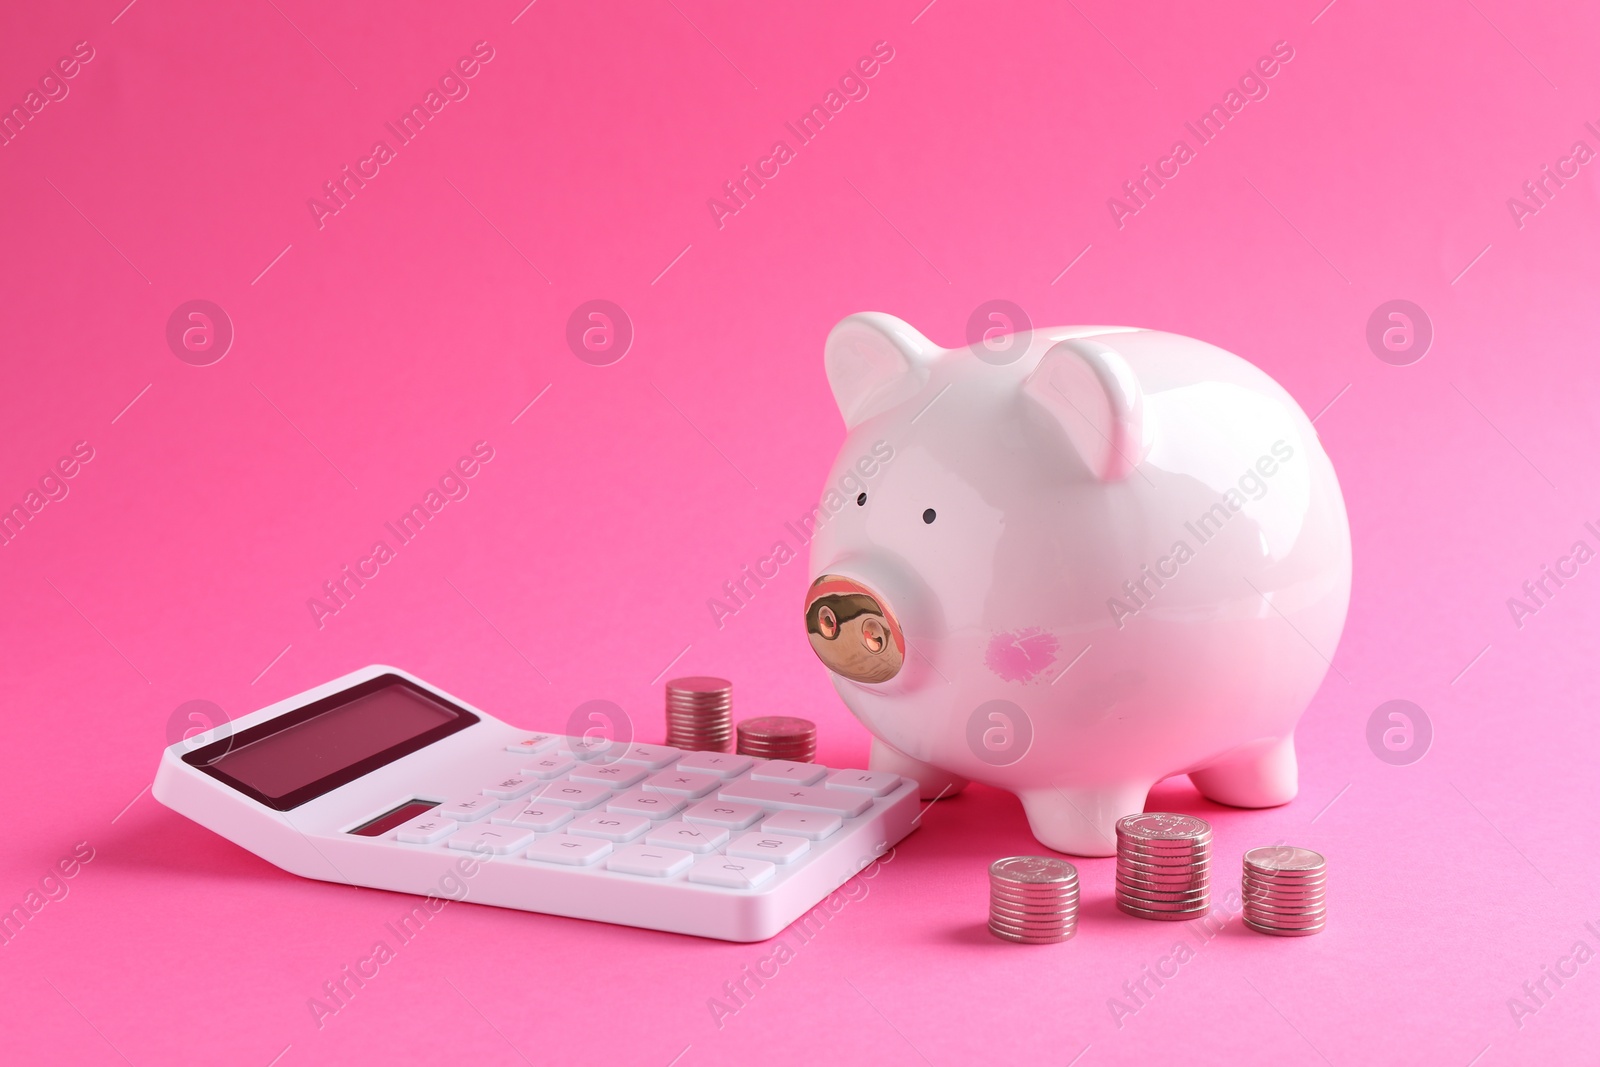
(1263, 775)
(1083, 821)
(935, 783)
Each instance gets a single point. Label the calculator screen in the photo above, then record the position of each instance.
(302, 754)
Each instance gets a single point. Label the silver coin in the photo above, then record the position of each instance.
(1036, 904)
(1286, 906)
(1161, 825)
(1025, 926)
(1256, 893)
(1163, 859)
(1286, 919)
(1165, 856)
(1250, 885)
(1274, 922)
(1285, 858)
(1278, 931)
(1162, 869)
(1286, 878)
(1045, 883)
(1039, 914)
(1032, 924)
(1153, 877)
(1176, 841)
(1170, 889)
(1308, 878)
(1282, 887)
(1286, 922)
(1145, 848)
(1162, 896)
(1164, 874)
(1161, 916)
(1052, 930)
(1152, 897)
(1033, 870)
(1024, 939)
(1030, 900)
(1317, 907)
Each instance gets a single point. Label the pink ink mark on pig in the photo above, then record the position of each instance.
(1020, 656)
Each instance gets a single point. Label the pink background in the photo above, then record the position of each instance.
(431, 310)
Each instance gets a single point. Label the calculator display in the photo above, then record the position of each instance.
(307, 752)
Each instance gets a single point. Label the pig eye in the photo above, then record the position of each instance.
(928, 516)
(861, 500)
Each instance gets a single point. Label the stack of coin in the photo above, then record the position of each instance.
(779, 737)
(1163, 866)
(1285, 891)
(700, 714)
(1033, 899)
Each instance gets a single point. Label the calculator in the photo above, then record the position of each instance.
(379, 779)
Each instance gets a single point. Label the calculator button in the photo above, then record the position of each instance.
(731, 873)
(578, 795)
(426, 830)
(648, 803)
(494, 840)
(683, 783)
(650, 860)
(589, 747)
(696, 837)
(782, 770)
(616, 775)
(533, 743)
(551, 766)
(535, 815)
(611, 825)
(878, 783)
(815, 825)
(723, 813)
(721, 764)
(773, 847)
(796, 797)
(510, 787)
(653, 756)
(571, 851)
(467, 808)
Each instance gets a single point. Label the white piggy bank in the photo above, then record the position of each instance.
(1109, 557)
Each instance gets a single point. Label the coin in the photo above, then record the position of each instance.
(1159, 825)
(1254, 891)
(1166, 916)
(1026, 939)
(1285, 890)
(1129, 863)
(779, 737)
(1033, 899)
(1285, 858)
(1019, 901)
(1287, 922)
(1033, 870)
(1163, 865)
(699, 713)
(1154, 858)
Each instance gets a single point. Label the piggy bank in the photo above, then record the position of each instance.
(1101, 558)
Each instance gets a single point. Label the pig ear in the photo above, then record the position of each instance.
(1091, 392)
(875, 361)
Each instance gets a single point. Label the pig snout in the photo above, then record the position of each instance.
(853, 631)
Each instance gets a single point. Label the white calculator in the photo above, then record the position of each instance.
(379, 779)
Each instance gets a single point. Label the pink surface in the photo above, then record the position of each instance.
(375, 345)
